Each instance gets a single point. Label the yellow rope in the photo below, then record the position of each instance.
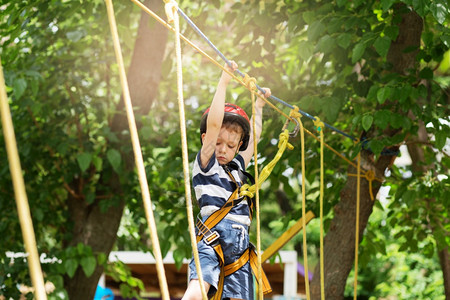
(305, 250)
(251, 84)
(171, 10)
(358, 192)
(138, 154)
(23, 208)
(320, 126)
(283, 143)
(370, 177)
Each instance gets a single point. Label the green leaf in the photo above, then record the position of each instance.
(331, 106)
(326, 44)
(396, 120)
(315, 30)
(382, 118)
(386, 4)
(391, 32)
(19, 87)
(344, 40)
(306, 50)
(309, 16)
(372, 94)
(358, 51)
(382, 45)
(88, 265)
(80, 248)
(84, 160)
(114, 159)
(439, 11)
(376, 146)
(440, 139)
(178, 256)
(71, 266)
(445, 38)
(367, 121)
(409, 196)
(426, 73)
(341, 3)
(98, 163)
(101, 258)
(383, 94)
(420, 6)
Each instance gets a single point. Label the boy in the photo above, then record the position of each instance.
(225, 131)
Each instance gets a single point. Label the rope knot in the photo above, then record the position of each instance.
(295, 112)
(370, 175)
(171, 7)
(318, 124)
(244, 191)
(250, 82)
(284, 138)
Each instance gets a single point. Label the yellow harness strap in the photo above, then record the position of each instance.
(249, 256)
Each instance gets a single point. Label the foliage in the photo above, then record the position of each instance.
(330, 58)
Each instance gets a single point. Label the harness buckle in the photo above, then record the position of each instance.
(208, 236)
(211, 238)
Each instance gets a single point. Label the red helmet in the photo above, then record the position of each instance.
(233, 114)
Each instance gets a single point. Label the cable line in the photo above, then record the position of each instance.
(202, 35)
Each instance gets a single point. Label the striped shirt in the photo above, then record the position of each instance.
(213, 186)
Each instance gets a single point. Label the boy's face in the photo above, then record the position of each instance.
(228, 143)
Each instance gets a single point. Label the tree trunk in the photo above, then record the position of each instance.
(339, 244)
(91, 226)
(444, 259)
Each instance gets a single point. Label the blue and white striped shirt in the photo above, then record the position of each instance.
(213, 186)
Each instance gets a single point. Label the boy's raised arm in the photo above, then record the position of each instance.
(215, 116)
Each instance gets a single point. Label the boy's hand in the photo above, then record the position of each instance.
(267, 93)
(225, 76)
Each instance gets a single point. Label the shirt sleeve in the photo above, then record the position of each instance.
(211, 163)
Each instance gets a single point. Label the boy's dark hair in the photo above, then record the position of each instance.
(233, 115)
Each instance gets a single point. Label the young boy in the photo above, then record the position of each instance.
(227, 148)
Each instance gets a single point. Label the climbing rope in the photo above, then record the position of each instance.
(251, 83)
(138, 154)
(305, 250)
(172, 16)
(23, 208)
(319, 126)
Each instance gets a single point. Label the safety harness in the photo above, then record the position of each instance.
(212, 237)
